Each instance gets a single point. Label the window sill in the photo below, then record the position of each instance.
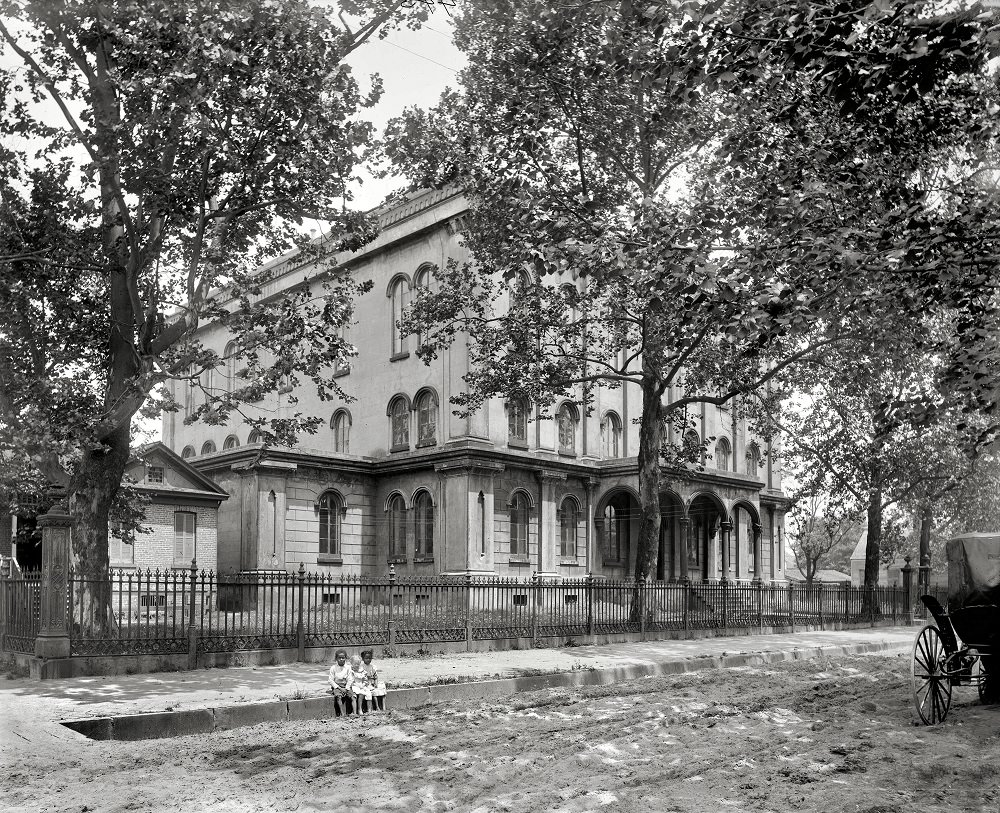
(518, 560)
(329, 559)
(181, 566)
(122, 565)
(399, 356)
(613, 563)
(395, 560)
(394, 449)
(420, 560)
(564, 453)
(569, 563)
(341, 372)
(517, 444)
(424, 444)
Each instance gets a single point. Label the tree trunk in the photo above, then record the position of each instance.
(650, 438)
(924, 569)
(92, 491)
(872, 551)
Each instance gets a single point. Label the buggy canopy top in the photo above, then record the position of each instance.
(974, 587)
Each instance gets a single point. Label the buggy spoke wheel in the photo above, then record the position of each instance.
(931, 686)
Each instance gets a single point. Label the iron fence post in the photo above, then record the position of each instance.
(871, 605)
(907, 591)
(760, 604)
(392, 624)
(847, 602)
(300, 628)
(642, 609)
(590, 604)
(192, 628)
(687, 605)
(468, 612)
(725, 603)
(820, 589)
(791, 607)
(534, 607)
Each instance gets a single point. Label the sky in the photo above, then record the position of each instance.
(415, 67)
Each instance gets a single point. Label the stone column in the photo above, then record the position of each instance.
(590, 484)
(758, 569)
(53, 640)
(712, 552)
(727, 530)
(684, 522)
(548, 527)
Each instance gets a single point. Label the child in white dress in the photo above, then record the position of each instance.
(376, 686)
(357, 686)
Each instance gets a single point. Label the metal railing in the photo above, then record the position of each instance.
(195, 611)
(20, 612)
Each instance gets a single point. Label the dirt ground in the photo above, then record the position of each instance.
(822, 735)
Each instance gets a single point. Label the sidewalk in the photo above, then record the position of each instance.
(32, 710)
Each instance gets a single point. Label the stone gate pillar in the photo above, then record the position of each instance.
(53, 640)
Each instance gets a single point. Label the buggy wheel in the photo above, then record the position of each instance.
(931, 685)
(988, 680)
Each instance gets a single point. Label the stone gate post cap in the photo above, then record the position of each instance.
(57, 515)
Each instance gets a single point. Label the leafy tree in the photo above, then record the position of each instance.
(717, 219)
(185, 143)
(816, 529)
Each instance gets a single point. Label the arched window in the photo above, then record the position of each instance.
(331, 512)
(616, 527)
(753, 459)
(569, 517)
(229, 357)
(254, 436)
(427, 410)
(611, 435)
(692, 446)
(567, 429)
(232, 442)
(723, 452)
(399, 424)
(423, 510)
(397, 526)
(519, 524)
(207, 447)
(517, 420)
(341, 425)
(188, 452)
(397, 293)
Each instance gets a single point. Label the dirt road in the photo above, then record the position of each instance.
(822, 735)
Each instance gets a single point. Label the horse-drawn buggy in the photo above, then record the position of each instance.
(962, 646)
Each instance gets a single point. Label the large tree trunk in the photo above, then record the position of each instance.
(92, 491)
(872, 552)
(650, 440)
(924, 569)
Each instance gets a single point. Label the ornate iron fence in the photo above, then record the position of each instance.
(193, 611)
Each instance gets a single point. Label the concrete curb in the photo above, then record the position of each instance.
(204, 721)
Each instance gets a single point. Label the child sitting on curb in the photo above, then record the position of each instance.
(376, 686)
(340, 679)
(357, 686)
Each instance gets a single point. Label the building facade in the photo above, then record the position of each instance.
(396, 478)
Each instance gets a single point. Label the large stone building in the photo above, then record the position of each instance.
(397, 478)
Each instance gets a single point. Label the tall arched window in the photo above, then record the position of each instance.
(519, 524)
(207, 447)
(331, 512)
(397, 293)
(517, 420)
(341, 425)
(692, 446)
(723, 453)
(232, 442)
(188, 452)
(569, 518)
(229, 357)
(617, 528)
(567, 429)
(753, 459)
(399, 424)
(611, 435)
(427, 410)
(397, 526)
(423, 509)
